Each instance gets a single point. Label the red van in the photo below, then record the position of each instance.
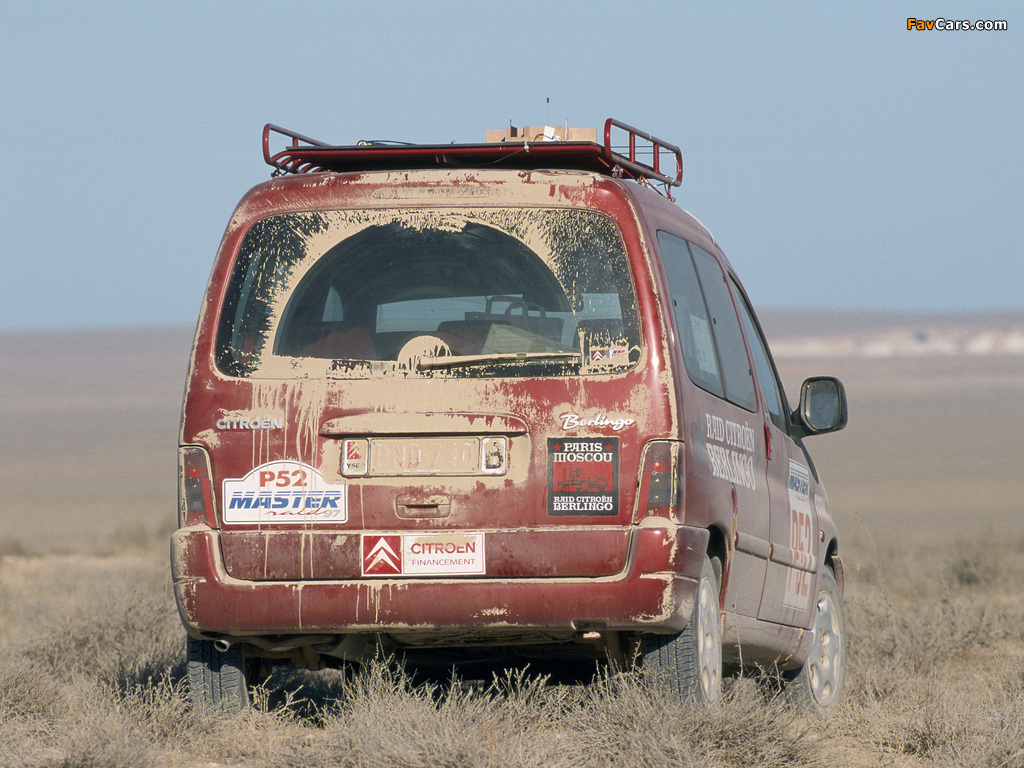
(499, 403)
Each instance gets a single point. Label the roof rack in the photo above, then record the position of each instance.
(633, 154)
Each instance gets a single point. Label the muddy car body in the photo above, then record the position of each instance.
(487, 403)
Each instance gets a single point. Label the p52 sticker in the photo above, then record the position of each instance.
(284, 492)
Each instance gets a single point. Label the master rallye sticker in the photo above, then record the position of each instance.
(284, 492)
(583, 476)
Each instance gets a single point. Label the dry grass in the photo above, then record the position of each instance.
(926, 485)
(91, 674)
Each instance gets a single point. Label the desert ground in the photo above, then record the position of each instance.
(926, 484)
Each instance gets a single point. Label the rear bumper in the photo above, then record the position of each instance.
(654, 592)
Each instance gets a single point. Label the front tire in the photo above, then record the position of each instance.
(218, 679)
(688, 666)
(818, 685)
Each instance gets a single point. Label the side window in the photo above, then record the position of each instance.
(770, 389)
(694, 328)
(334, 310)
(713, 350)
(739, 384)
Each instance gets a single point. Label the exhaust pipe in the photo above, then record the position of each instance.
(274, 645)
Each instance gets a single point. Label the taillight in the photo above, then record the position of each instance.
(195, 494)
(660, 492)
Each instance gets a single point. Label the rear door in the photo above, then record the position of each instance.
(724, 445)
(790, 576)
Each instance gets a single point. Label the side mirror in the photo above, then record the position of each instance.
(822, 407)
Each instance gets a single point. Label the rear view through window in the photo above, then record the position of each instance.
(513, 292)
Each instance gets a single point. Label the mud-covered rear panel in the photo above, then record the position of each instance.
(425, 390)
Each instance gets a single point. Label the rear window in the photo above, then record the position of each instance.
(429, 293)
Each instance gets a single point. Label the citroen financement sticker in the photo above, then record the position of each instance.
(424, 554)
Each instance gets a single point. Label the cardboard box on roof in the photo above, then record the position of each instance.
(533, 133)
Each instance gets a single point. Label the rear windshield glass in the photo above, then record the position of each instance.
(430, 293)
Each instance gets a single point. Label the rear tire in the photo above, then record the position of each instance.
(217, 678)
(818, 684)
(688, 666)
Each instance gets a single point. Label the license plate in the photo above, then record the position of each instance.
(397, 456)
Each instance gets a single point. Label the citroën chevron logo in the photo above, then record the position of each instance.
(382, 555)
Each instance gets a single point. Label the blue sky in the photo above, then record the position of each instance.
(841, 160)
